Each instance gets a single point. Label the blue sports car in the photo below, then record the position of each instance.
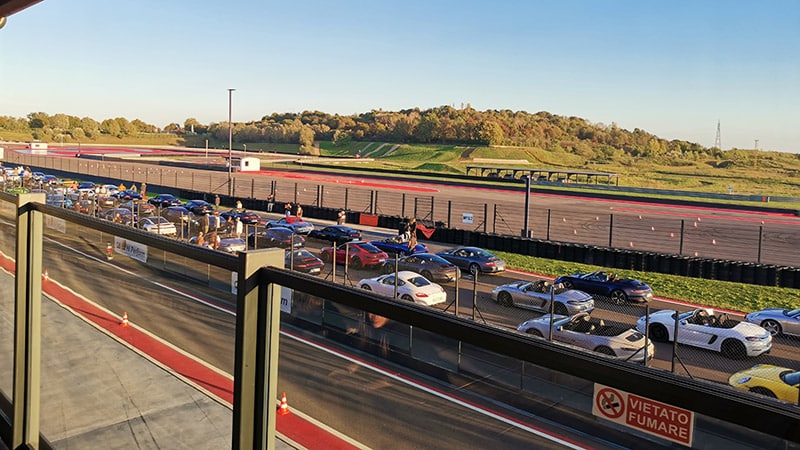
(606, 284)
(397, 246)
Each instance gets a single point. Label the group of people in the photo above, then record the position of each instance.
(212, 242)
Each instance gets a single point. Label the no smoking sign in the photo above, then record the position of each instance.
(609, 403)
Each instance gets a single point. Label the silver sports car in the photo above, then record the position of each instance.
(535, 295)
(777, 320)
(583, 331)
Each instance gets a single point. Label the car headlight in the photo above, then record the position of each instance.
(743, 380)
(753, 338)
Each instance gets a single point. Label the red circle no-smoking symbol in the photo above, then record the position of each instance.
(610, 403)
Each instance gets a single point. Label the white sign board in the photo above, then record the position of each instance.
(466, 218)
(652, 417)
(130, 249)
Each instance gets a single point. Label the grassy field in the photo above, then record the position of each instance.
(712, 293)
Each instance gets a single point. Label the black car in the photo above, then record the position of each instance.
(127, 194)
(164, 201)
(199, 207)
(275, 237)
(179, 214)
(245, 216)
(335, 233)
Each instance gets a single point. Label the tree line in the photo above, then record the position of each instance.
(444, 125)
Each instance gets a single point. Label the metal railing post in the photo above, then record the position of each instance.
(27, 323)
(255, 382)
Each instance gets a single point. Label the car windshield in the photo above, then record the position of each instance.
(686, 315)
(303, 254)
(419, 281)
(792, 313)
(369, 248)
(791, 378)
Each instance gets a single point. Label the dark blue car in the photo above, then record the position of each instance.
(606, 284)
(394, 246)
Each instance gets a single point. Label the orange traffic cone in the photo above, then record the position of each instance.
(125, 319)
(45, 276)
(284, 408)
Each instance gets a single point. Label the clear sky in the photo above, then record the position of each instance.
(673, 68)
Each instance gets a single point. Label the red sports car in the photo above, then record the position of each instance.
(360, 254)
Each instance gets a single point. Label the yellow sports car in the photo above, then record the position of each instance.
(772, 381)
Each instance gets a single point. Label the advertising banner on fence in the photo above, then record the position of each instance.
(652, 417)
(131, 249)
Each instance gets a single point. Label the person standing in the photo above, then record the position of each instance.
(239, 228)
(299, 212)
(270, 202)
(201, 239)
(216, 202)
(340, 219)
(288, 209)
(238, 204)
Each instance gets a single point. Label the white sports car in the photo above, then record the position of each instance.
(704, 329)
(411, 286)
(584, 331)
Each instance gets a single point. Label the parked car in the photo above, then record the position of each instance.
(51, 180)
(397, 246)
(361, 254)
(164, 200)
(474, 260)
(139, 207)
(607, 284)
(244, 216)
(232, 245)
(109, 189)
(335, 233)
(777, 320)
(298, 224)
(303, 261)
(275, 237)
(430, 266)
(158, 225)
(703, 329)
(411, 287)
(60, 200)
(127, 194)
(199, 207)
(769, 380)
(119, 215)
(86, 187)
(105, 201)
(535, 295)
(584, 331)
(179, 214)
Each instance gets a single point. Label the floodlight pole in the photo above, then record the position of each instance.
(230, 141)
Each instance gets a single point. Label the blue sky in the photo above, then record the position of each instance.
(672, 68)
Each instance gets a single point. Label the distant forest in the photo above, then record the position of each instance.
(444, 125)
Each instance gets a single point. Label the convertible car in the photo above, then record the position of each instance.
(535, 295)
(474, 260)
(397, 246)
(584, 331)
(777, 320)
(619, 290)
(704, 329)
(773, 381)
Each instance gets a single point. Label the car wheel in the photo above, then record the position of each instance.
(325, 257)
(733, 349)
(659, 333)
(355, 262)
(474, 268)
(772, 326)
(504, 298)
(427, 275)
(407, 298)
(560, 309)
(387, 268)
(605, 350)
(534, 332)
(366, 287)
(763, 391)
(618, 297)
